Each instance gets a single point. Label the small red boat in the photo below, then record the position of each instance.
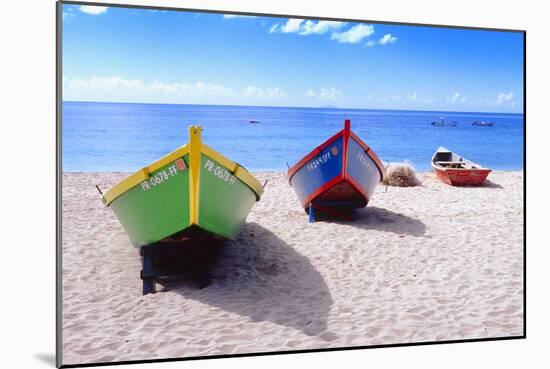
(457, 171)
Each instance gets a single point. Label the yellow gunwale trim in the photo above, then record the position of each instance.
(143, 174)
(194, 174)
(238, 171)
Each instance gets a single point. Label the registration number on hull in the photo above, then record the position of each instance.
(366, 163)
(322, 159)
(159, 177)
(219, 172)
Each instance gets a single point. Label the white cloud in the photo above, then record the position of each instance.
(330, 94)
(326, 94)
(306, 27)
(393, 97)
(320, 27)
(412, 97)
(274, 28)
(387, 39)
(134, 90)
(310, 94)
(118, 89)
(456, 98)
(354, 35)
(292, 25)
(232, 16)
(267, 93)
(93, 10)
(370, 43)
(505, 98)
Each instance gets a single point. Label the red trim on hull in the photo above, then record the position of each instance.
(358, 188)
(345, 148)
(333, 182)
(346, 132)
(311, 155)
(323, 188)
(462, 177)
(371, 154)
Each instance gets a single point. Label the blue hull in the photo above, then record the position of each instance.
(343, 172)
(362, 170)
(323, 168)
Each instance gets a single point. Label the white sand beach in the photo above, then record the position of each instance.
(425, 263)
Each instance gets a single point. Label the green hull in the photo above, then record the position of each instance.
(224, 201)
(150, 212)
(205, 193)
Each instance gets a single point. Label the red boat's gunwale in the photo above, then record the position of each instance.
(345, 148)
(346, 133)
(312, 154)
(370, 153)
(358, 188)
(466, 176)
(343, 177)
(323, 188)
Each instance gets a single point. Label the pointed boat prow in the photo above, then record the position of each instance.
(192, 192)
(342, 172)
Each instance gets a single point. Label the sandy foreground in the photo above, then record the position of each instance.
(425, 263)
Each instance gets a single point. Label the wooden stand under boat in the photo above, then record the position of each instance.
(191, 195)
(457, 171)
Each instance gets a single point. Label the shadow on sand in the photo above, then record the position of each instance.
(490, 184)
(261, 277)
(383, 220)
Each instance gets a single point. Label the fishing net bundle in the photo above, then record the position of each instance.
(400, 175)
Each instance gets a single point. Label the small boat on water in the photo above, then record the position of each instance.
(453, 169)
(483, 123)
(338, 176)
(251, 121)
(441, 122)
(192, 192)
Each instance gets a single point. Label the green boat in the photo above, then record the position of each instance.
(191, 192)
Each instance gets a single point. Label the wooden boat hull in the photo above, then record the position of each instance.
(457, 177)
(192, 192)
(343, 172)
(454, 170)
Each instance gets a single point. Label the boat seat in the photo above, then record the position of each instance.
(454, 164)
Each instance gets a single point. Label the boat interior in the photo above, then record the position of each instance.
(447, 159)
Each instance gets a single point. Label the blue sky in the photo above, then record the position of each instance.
(137, 55)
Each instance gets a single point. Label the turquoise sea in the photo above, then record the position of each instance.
(123, 137)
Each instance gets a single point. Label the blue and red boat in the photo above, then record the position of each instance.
(338, 176)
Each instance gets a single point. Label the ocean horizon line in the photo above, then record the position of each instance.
(126, 136)
(296, 107)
